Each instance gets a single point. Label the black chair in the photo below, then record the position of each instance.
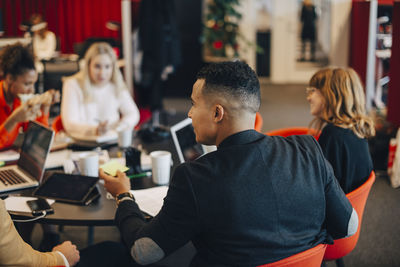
(88, 42)
(54, 71)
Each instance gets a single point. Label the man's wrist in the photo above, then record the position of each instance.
(123, 197)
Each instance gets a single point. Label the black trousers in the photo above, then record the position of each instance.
(109, 254)
(106, 254)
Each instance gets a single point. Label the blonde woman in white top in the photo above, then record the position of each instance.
(96, 99)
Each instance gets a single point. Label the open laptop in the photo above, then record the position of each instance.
(28, 171)
(185, 141)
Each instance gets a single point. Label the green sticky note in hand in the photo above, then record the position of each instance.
(112, 167)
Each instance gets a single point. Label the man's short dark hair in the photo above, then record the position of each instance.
(234, 80)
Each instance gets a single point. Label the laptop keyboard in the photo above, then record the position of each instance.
(11, 177)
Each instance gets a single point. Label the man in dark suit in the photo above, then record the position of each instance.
(255, 200)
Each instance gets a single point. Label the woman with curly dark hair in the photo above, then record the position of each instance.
(18, 84)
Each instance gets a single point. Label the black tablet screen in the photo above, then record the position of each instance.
(67, 187)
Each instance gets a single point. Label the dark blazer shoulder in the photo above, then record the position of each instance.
(307, 141)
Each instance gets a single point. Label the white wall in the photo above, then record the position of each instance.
(284, 40)
(340, 33)
(284, 44)
(247, 28)
(324, 25)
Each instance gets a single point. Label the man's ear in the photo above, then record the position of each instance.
(219, 113)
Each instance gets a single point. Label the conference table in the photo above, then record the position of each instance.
(102, 211)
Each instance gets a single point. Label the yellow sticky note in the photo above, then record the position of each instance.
(112, 167)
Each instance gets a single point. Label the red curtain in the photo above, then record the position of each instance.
(359, 37)
(394, 73)
(73, 21)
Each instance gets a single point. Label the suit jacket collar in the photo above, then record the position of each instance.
(241, 138)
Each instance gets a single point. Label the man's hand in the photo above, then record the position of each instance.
(115, 185)
(69, 251)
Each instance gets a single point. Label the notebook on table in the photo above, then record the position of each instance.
(109, 138)
(185, 143)
(28, 172)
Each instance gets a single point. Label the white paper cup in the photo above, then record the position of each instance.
(89, 164)
(160, 166)
(125, 138)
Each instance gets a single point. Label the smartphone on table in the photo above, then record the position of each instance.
(39, 206)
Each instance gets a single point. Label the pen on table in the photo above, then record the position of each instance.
(139, 175)
(76, 166)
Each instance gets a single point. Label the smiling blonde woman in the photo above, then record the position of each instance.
(337, 102)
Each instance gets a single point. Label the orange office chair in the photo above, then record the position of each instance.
(259, 122)
(57, 124)
(311, 258)
(285, 132)
(342, 247)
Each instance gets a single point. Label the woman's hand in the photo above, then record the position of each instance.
(102, 128)
(49, 98)
(23, 113)
(55, 96)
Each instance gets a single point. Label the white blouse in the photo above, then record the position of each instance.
(82, 118)
(44, 48)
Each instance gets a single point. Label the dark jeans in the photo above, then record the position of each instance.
(109, 254)
(105, 254)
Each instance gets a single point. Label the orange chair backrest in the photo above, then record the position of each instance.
(310, 258)
(285, 132)
(358, 199)
(259, 122)
(57, 124)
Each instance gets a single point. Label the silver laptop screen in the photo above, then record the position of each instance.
(34, 150)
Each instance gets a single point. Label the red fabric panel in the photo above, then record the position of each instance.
(71, 20)
(385, 2)
(359, 37)
(394, 84)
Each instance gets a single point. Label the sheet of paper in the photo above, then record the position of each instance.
(61, 141)
(61, 158)
(113, 166)
(18, 203)
(110, 136)
(9, 155)
(150, 200)
(57, 158)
